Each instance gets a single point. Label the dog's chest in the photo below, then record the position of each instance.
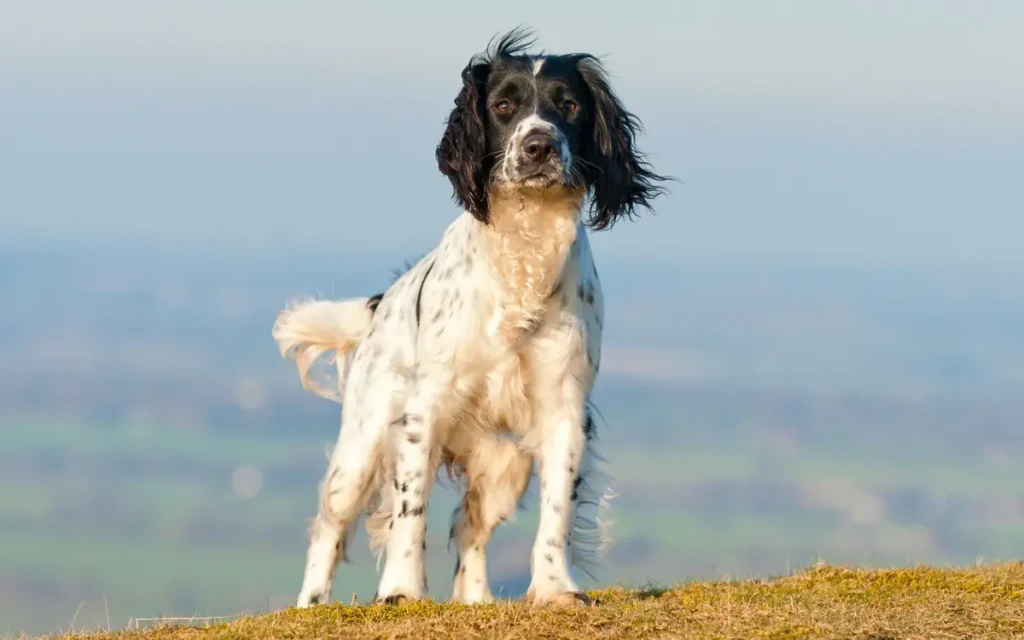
(506, 389)
(516, 368)
(527, 247)
(525, 327)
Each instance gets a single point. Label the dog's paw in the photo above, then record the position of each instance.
(562, 600)
(311, 599)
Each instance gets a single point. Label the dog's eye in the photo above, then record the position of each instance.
(570, 107)
(504, 107)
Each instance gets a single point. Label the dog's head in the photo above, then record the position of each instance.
(539, 122)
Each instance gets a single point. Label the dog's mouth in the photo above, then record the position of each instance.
(550, 174)
(542, 179)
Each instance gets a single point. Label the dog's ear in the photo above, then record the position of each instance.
(461, 155)
(616, 171)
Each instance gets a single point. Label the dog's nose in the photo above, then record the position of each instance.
(538, 147)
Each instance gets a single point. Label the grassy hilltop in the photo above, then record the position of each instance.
(824, 601)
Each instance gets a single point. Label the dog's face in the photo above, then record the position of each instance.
(535, 113)
(543, 122)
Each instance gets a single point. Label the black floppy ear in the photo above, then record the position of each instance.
(462, 152)
(617, 172)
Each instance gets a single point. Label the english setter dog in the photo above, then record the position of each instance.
(481, 357)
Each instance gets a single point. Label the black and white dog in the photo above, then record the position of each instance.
(481, 357)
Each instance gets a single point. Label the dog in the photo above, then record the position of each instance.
(481, 356)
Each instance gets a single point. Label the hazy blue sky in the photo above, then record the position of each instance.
(876, 132)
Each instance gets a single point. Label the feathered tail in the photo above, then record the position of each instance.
(308, 329)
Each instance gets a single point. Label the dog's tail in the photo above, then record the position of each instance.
(308, 329)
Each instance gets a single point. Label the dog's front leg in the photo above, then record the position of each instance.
(412, 446)
(559, 457)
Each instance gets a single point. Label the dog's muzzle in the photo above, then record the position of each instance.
(538, 148)
(537, 159)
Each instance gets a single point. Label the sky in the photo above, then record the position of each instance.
(872, 133)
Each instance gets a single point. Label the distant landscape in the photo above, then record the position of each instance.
(157, 457)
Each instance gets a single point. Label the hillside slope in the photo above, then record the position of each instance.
(824, 601)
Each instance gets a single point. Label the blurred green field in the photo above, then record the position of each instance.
(145, 521)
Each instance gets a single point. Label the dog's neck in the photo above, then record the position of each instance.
(529, 238)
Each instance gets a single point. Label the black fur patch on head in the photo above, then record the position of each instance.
(462, 154)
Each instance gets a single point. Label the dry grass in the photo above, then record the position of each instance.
(825, 601)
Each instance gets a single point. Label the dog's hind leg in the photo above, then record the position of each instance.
(497, 473)
(354, 476)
